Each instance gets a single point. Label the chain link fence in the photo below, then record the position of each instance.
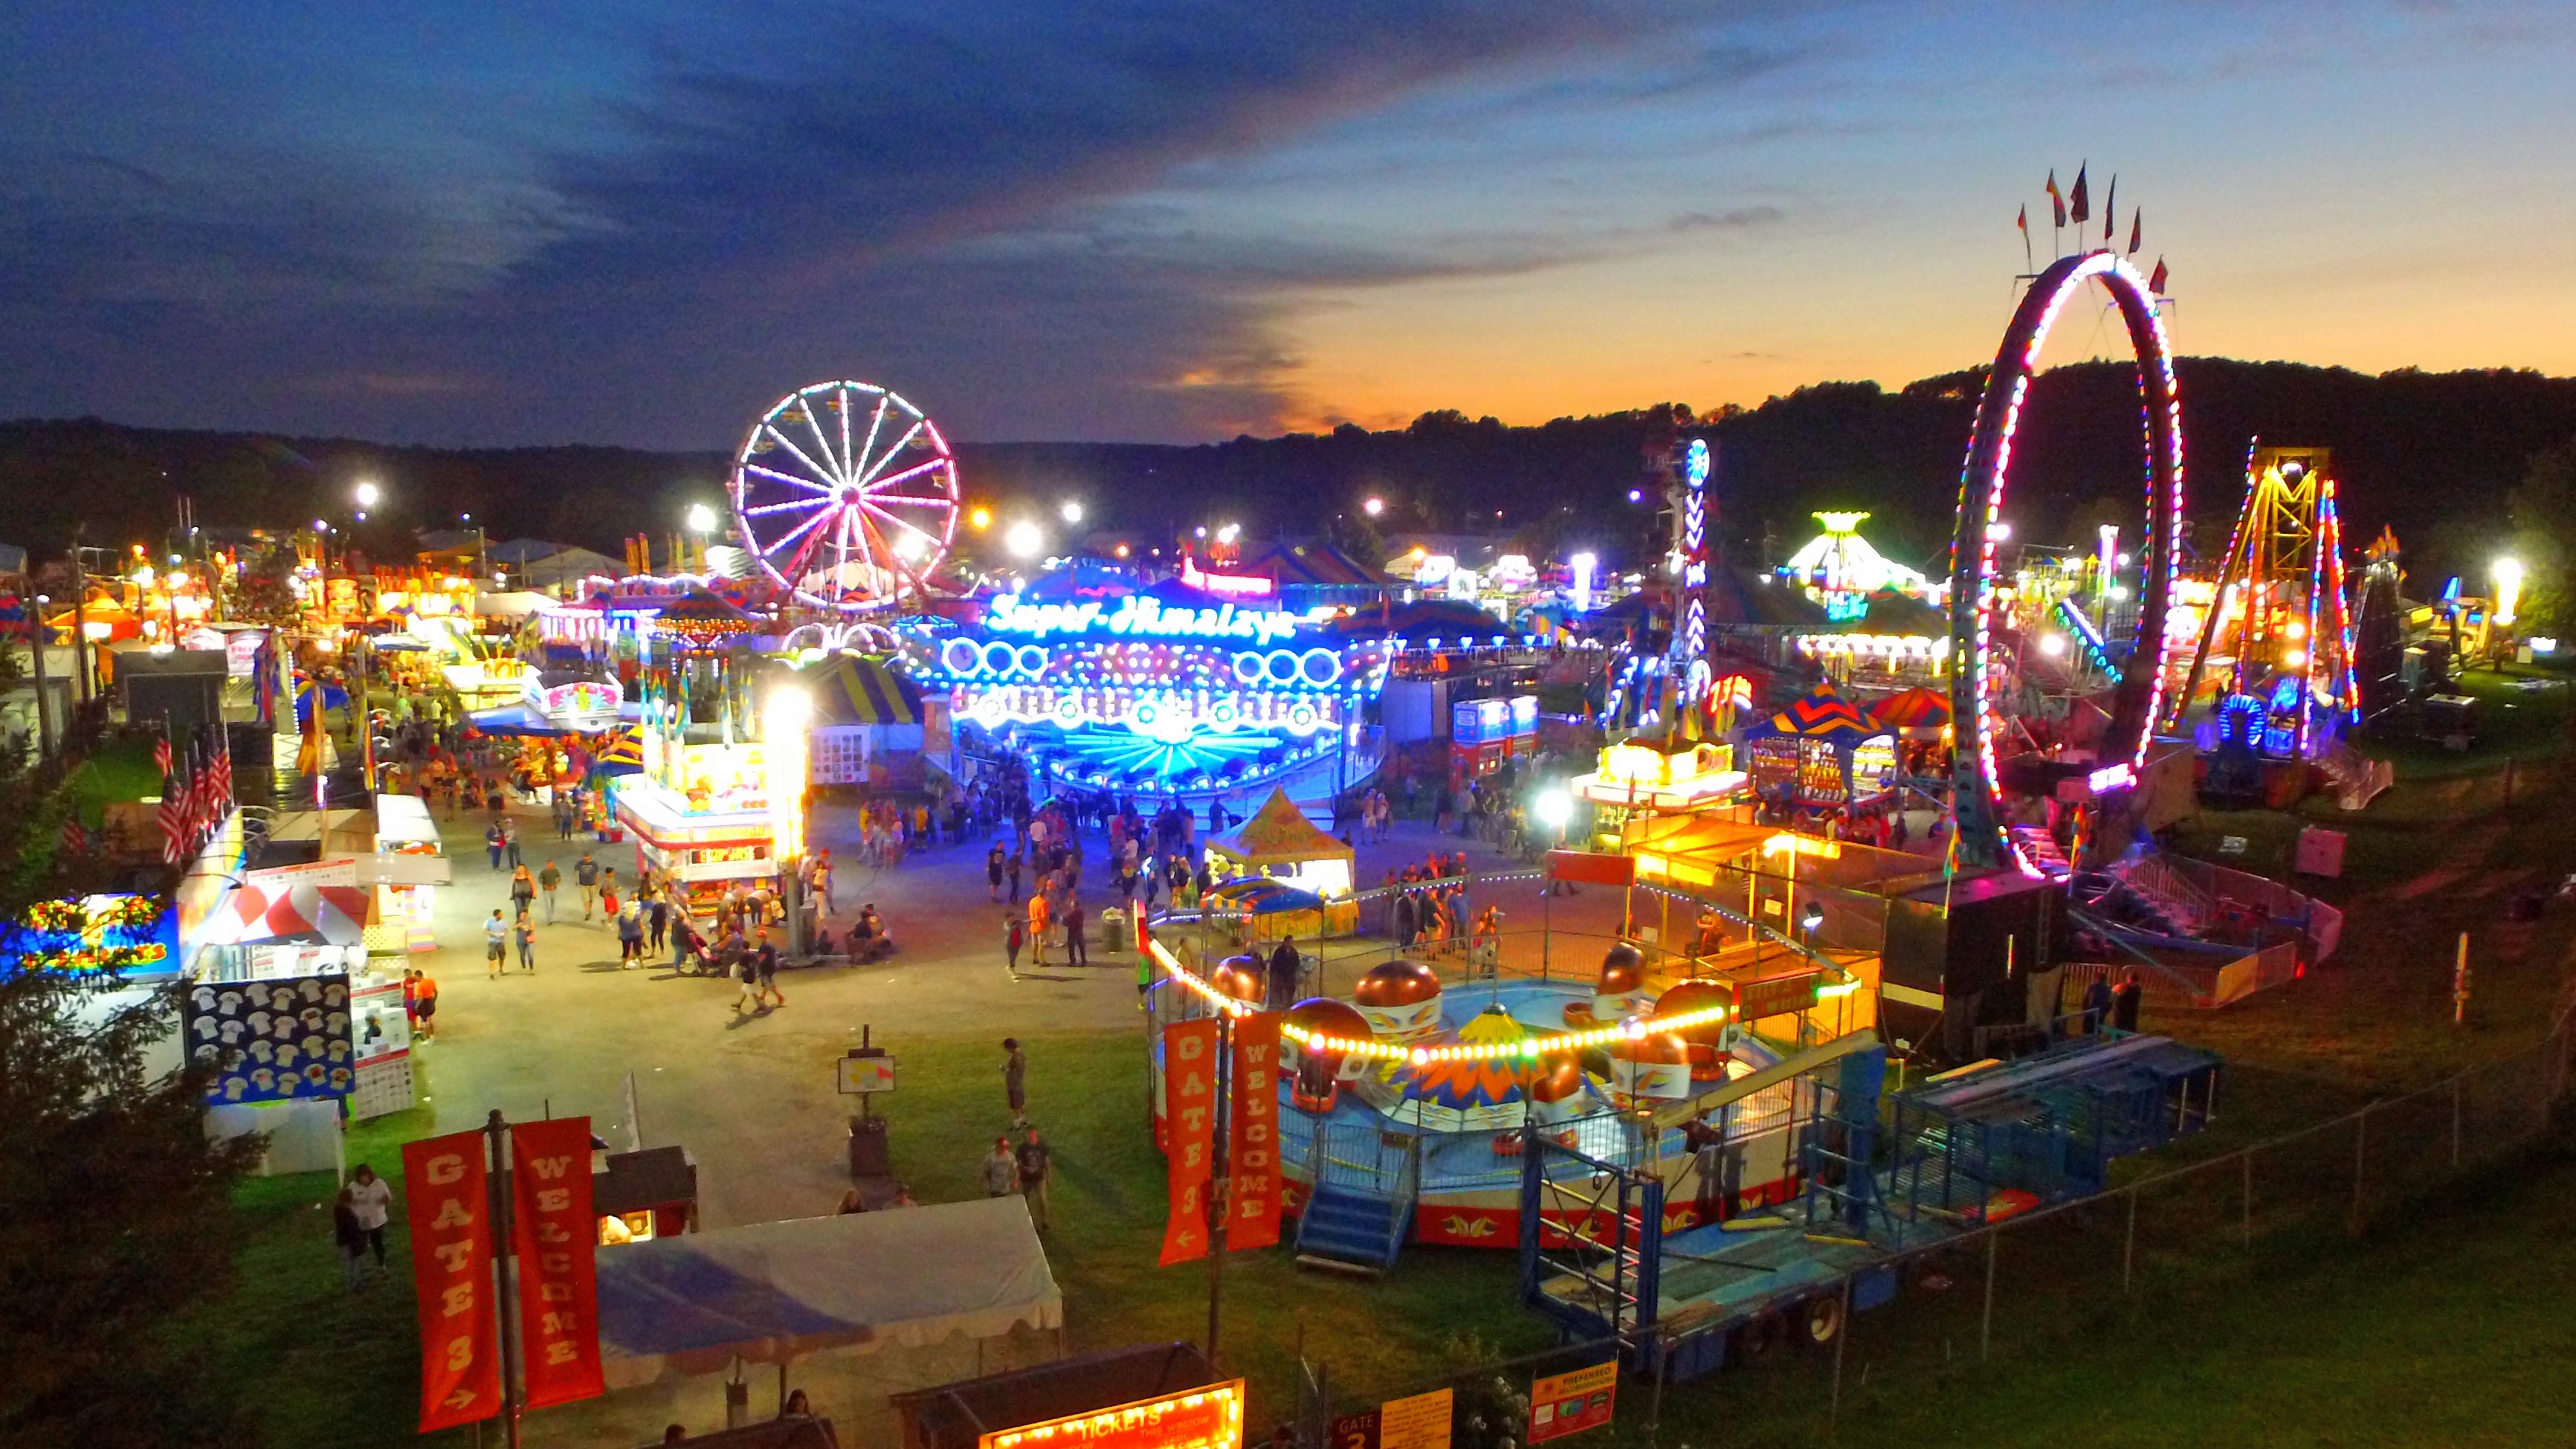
(2031, 1280)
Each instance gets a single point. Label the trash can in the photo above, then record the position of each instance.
(1113, 931)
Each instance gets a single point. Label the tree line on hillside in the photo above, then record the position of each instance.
(2436, 455)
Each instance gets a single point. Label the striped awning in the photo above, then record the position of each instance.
(853, 690)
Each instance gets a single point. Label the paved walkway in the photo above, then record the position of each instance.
(753, 1097)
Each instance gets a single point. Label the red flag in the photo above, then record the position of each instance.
(2110, 208)
(2135, 220)
(1252, 1135)
(2079, 206)
(174, 819)
(161, 753)
(451, 1263)
(2156, 282)
(556, 1237)
(1189, 1134)
(2023, 221)
(75, 839)
(2054, 198)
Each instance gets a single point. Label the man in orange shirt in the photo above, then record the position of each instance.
(1037, 928)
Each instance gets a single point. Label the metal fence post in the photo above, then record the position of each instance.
(2249, 1197)
(1986, 1329)
(2129, 1247)
(1834, 1406)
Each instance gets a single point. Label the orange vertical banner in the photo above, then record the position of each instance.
(556, 1236)
(1252, 1135)
(449, 1205)
(1189, 1134)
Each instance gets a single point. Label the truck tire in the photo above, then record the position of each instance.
(1756, 1339)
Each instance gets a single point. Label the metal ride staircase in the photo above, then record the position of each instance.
(2041, 848)
(1357, 1213)
(1591, 1240)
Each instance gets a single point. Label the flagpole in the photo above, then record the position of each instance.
(1221, 1180)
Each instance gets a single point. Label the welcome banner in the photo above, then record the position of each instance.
(449, 1205)
(1252, 1135)
(556, 1237)
(1189, 1135)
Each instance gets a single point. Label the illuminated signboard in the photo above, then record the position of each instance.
(588, 706)
(1230, 585)
(1208, 1418)
(1138, 617)
(132, 933)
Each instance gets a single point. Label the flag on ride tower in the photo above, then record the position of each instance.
(2079, 205)
(2055, 198)
(2135, 220)
(2023, 221)
(2156, 280)
(2110, 208)
(451, 1258)
(1189, 1135)
(1252, 1135)
(556, 1238)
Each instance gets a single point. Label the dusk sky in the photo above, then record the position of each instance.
(1180, 219)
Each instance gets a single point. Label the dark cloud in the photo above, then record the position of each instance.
(929, 194)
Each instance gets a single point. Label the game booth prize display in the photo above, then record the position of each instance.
(310, 930)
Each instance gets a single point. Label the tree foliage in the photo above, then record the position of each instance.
(115, 1209)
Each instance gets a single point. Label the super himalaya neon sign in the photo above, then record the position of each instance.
(1138, 617)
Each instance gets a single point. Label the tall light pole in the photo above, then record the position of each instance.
(702, 521)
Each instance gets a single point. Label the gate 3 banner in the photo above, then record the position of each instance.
(1189, 1134)
(1252, 1135)
(556, 1237)
(451, 1255)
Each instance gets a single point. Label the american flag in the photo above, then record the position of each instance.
(174, 818)
(223, 772)
(207, 802)
(161, 754)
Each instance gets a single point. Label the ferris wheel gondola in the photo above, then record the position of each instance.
(846, 496)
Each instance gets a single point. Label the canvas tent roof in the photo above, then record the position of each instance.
(770, 1292)
(1278, 834)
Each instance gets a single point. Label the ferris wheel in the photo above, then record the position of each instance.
(846, 495)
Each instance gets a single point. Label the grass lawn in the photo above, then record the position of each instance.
(2444, 1327)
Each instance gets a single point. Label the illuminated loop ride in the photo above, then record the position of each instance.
(846, 496)
(1978, 633)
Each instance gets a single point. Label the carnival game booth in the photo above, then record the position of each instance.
(1405, 1114)
(1165, 692)
(849, 1308)
(409, 865)
(1281, 846)
(1820, 754)
(1639, 782)
(867, 719)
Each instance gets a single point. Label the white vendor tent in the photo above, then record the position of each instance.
(770, 1292)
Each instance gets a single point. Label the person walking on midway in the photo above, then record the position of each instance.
(547, 879)
(523, 892)
(658, 917)
(765, 962)
(371, 1199)
(492, 844)
(1015, 934)
(1013, 869)
(1284, 969)
(1015, 1081)
(993, 869)
(424, 1007)
(630, 938)
(1001, 1170)
(747, 972)
(510, 841)
(585, 874)
(524, 931)
(1077, 951)
(350, 1238)
(1034, 1160)
(608, 902)
(496, 942)
(823, 878)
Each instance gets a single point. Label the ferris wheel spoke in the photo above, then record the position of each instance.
(903, 523)
(788, 506)
(900, 444)
(804, 556)
(821, 473)
(849, 463)
(894, 559)
(789, 478)
(798, 531)
(823, 445)
(859, 466)
(891, 479)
